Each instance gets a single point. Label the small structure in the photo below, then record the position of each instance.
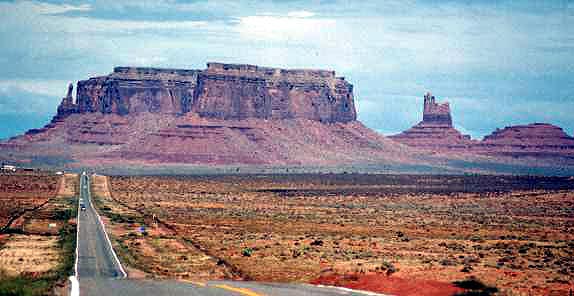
(8, 168)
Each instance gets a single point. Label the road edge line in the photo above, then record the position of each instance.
(75, 289)
(124, 274)
(370, 293)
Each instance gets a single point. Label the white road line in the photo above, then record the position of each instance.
(348, 290)
(124, 274)
(75, 291)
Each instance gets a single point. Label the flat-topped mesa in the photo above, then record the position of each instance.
(436, 113)
(224, 91)
(528, 138)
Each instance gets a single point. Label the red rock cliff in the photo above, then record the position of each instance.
(223, 91)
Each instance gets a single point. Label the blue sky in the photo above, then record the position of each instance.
(499, 63)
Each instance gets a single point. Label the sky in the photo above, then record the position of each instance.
(498, 63)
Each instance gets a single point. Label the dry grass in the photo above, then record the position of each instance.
(302, 228)
(29, 254)
(158, 251)
(20, 193)
(37, 251)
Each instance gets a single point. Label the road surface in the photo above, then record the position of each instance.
(100, 273)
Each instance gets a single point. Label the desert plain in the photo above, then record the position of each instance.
(37, 232)
(392, 234)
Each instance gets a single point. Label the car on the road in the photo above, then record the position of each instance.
(82, 207)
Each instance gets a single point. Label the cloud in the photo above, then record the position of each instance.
(49, 18)
(282, 28)
(87, 25)
(18, 100)
(40, 97)
(300, 14)
(47, 8)
(55, 88)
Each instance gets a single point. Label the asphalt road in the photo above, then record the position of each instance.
(100, 273)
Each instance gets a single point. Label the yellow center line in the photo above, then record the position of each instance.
(201, 284)
(243, 291)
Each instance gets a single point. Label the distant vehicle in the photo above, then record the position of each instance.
(82, 207)
(8, 168)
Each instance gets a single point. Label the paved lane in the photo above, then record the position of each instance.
(96, 258)
(100, 273)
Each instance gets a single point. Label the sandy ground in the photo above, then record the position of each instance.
(29, 254)
(35, 252)
(328, 227)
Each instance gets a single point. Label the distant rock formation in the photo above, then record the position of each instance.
(233, 114)
(225, 114)
(435, 131)
(222, 91)
(536, 139)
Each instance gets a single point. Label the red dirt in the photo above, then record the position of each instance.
(382, 283)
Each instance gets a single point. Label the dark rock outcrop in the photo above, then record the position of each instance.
(435, 131)
(222, 91)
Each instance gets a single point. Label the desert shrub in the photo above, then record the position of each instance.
(447, 262)
(297, 252)
(476, 238)
(247, 252)
(316, 243)
(67, 242)
(388, 267)
(62, 214)
(18, 286)
(523, 249)
(474, 287)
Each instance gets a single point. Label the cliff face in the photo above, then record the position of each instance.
(435, 131)
(222, 91)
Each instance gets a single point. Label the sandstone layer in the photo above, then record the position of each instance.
(222, 91)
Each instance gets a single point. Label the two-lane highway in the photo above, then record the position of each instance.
(96, 257)
(100, 272)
